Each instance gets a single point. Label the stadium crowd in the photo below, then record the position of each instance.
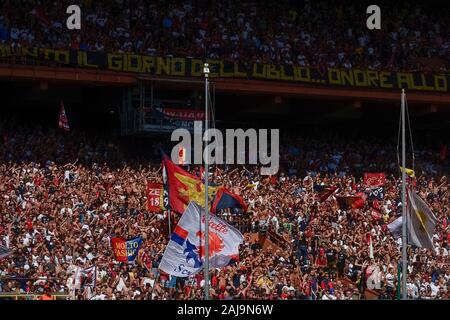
(64, 196)
(318, 34)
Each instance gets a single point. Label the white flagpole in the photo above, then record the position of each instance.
(206, 268)
(404, 234)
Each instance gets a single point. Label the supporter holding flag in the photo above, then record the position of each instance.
(126, 250)
(324, 191)
(155, 197)
(351, 202)
(225, 199)
(373, 180)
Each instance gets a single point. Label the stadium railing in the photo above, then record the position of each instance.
(31, 296)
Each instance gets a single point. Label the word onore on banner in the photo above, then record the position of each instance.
(190, 67)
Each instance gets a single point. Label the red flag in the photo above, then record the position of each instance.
(63, 121)
(373, 180)
(324, 192)
(351, 202)
(125, 250)
(155, 193)
(226, 199)
(183, 187)
(376, 214)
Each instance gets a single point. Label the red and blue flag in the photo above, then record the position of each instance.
(226, 199)
(126, 250)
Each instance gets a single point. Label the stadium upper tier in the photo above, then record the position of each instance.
(316, 34)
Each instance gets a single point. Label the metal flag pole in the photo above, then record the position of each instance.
(404, 225)
(169, 222)
(206, 269)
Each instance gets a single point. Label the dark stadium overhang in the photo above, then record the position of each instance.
(69, 75)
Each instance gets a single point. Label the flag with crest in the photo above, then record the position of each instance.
(183, 187)
(185, 253)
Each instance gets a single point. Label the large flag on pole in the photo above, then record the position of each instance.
(183, 187)
(184, 255)
(63, 122)
(421, 222)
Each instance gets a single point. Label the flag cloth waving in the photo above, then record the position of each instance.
(63, 122)
(155, 197)
(409, 172)
(324, 191)
(351, 202)
(373, 180)
(184, 187)
(225, 199)
(421, 222)
(395, 227)
(126, 250)
(184, 255)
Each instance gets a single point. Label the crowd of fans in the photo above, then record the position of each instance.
(64, 196)
(319, 34)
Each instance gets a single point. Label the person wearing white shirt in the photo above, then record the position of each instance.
(328, 296)
(434, 288)
(100, 296)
